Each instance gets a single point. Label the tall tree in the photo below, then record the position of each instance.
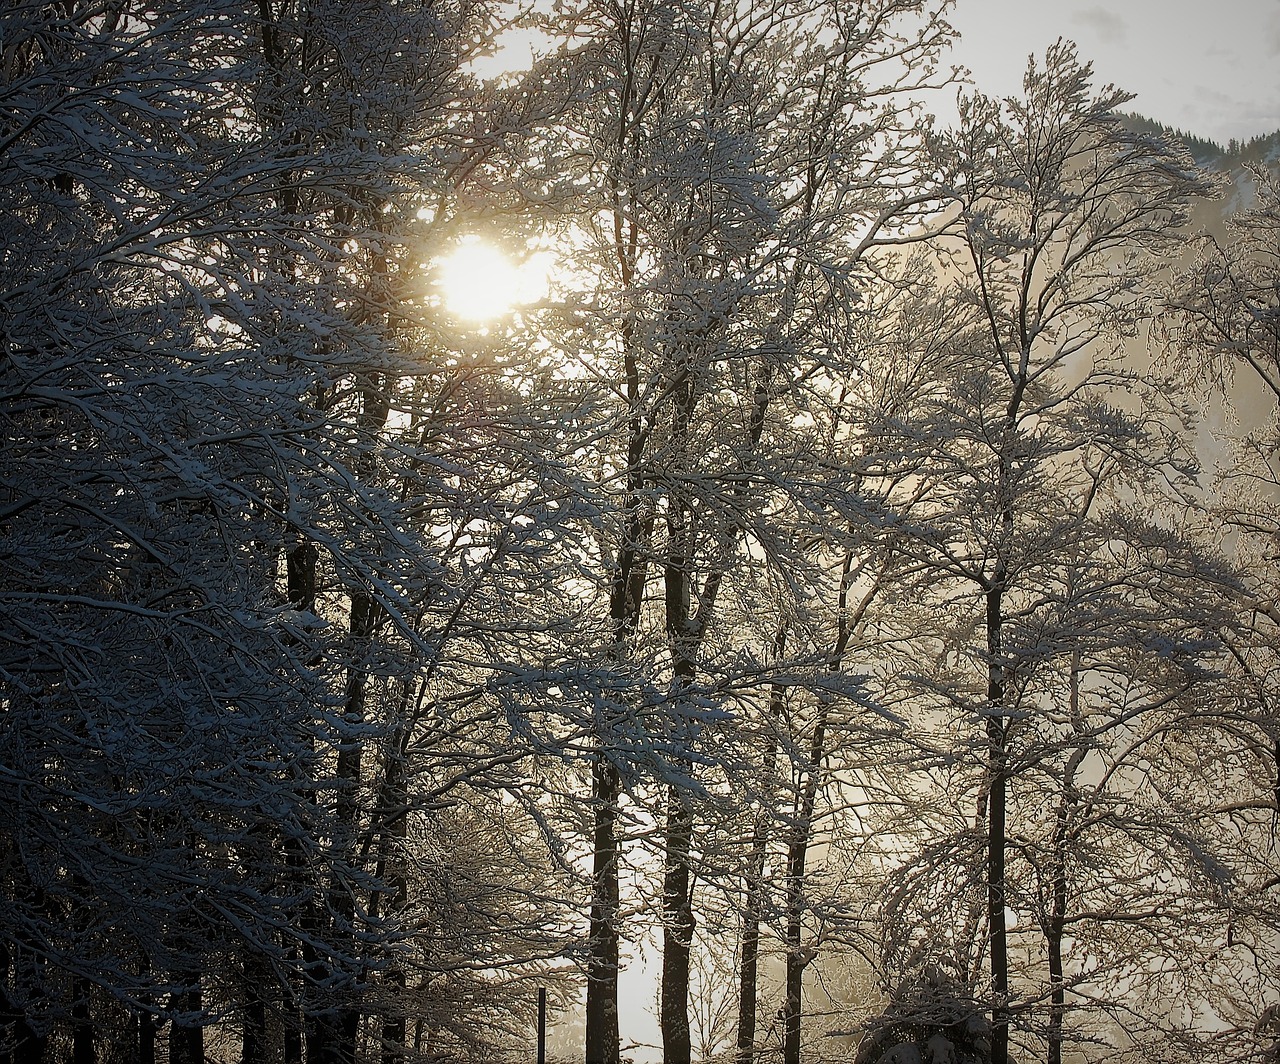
(1063, 215)
(720, 237)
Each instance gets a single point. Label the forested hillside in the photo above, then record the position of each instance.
(825, 607)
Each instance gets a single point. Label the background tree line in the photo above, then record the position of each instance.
(828, 589)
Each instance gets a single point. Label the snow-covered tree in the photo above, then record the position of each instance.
(734, 164)
(1035, 433)
(223, 462)
(1222, 336)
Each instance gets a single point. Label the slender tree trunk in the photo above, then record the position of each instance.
(677, 930)
(753, 905)
(798, 958)
(997, 777)
(301, 564)
(793, 1001)
(291, 1049)
(602, 1037)
(1057, 983)
(392, 840)
(145, 1035)
(1057, 916)
(82, 1047)
(28, 1044)
(683, 640)
(626, 593)
(748, 971)
(254, 1047)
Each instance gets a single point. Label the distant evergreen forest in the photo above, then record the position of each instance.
(1210, 152)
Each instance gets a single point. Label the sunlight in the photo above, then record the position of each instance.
(480, 283)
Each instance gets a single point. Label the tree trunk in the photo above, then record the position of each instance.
(391, 844)
(28, 1045)
(253, 1020)
(798, 958)
(683, 640)
(677, 930)
(997, 776)
(602, 1037)
(753, 904)
(145, 1034)
(333, 1032)
(626, 592)
(1057, 984)
(82, 1047)
(186, 1036)
(748, 971)
(1057, 916)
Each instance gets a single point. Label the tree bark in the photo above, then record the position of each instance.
(997, 784)
(677, 930)
(683, 641)
(1057, 915)
(82, 1047)
(391, 843)
(626, 593)
(253, 1019)
(753, 904)
(145, 1033)
(602, 1037)
(28, 1045)
(797, 857)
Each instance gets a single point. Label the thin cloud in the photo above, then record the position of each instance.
(1110, 27)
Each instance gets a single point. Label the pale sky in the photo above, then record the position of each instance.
(1209, 67)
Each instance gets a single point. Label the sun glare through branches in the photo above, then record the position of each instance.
(478, 282)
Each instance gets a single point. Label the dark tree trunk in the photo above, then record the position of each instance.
(602, 1037)
(334, 1034)
(292, 1040)
(253, 1020)
(145, 1034)
(997, 777)
(392, 838)
(27, 1044)
(186, 1035)
(753, 904)
(331, 1037)
(1057, 984)
(683, 640)
(394, 1028)
(677, 931)
(748, 971)
(1057, 915)
(82, 1047)
(798, 958)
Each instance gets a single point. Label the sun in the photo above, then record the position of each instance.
(479, 283)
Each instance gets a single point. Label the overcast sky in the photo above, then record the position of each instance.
(1209, 67)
